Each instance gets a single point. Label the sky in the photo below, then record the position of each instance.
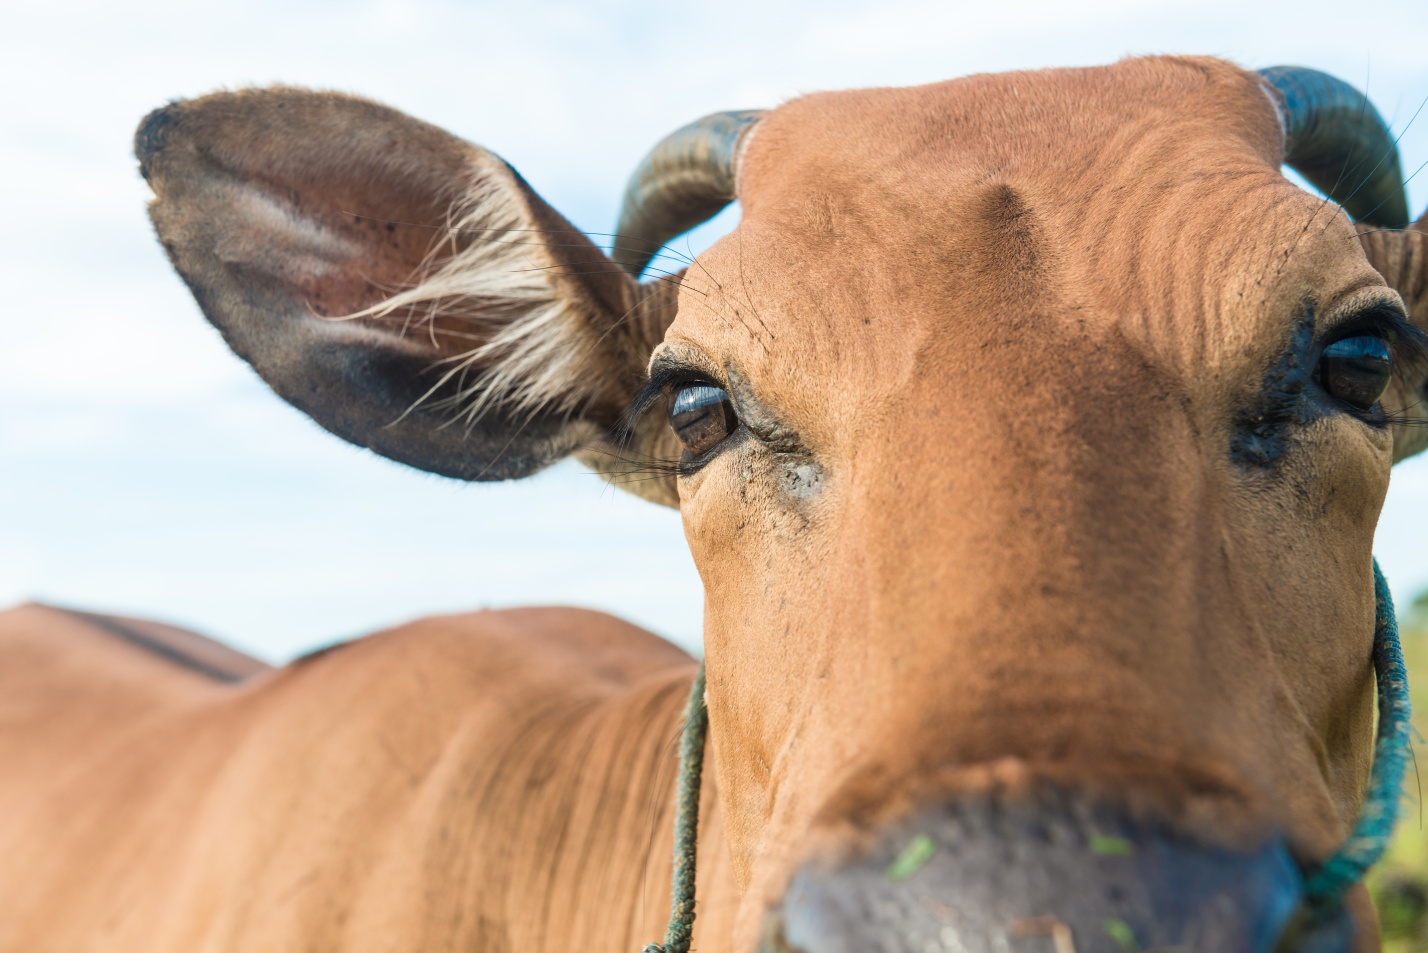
(145, 470)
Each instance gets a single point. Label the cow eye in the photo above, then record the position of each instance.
(702, 415)
(1356, 370)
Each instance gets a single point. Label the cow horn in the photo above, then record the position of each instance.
(686, 179)
(1339, 142)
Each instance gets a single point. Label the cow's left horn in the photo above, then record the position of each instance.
(1339, 142)
(686, 179)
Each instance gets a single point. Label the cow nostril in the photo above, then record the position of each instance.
(984, 879)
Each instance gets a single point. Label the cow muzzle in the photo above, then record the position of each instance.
(984, 877)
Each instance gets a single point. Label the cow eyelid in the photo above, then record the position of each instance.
(1356, 359)
(663, 376)
(669, 375)
(1406, 341)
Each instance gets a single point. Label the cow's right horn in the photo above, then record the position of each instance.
(1339, 142)
(686, 179)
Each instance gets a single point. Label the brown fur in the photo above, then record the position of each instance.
(1023, 398)
(414, 790)
(995, 341)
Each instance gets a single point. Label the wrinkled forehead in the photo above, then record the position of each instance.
(1146, 188)
(1043, 123)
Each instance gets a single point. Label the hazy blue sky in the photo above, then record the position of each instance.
(144, 469)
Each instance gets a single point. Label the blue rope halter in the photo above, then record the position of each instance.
(1325, 887)
(1363, 848)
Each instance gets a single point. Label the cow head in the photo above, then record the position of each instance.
(1029, 433)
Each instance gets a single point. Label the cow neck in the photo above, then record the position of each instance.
(576, 810)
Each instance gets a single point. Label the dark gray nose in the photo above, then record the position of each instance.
(986, 878)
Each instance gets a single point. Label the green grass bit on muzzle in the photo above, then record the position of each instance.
(1108, 846)
(1121, 932)
(913, 858)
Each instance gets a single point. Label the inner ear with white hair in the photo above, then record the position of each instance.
(411, 293)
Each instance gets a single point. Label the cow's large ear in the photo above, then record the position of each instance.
(1401, 256)
(403, 287)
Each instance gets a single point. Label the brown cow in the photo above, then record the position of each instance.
(1029, 434)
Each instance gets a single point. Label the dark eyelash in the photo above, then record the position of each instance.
(639, 467)
(650, 394)
(1408, 344)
